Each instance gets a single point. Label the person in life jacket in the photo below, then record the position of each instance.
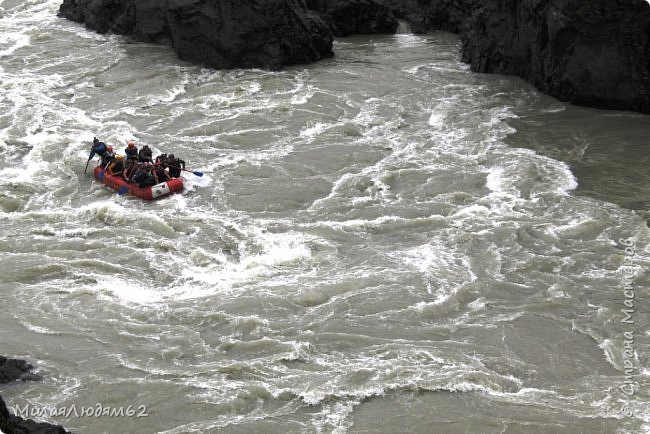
(108, 156)
(143, 175)
(160, 174)
(116, 166)
(145, 155)
(129, 169)
(131, 152)
(175, 166)
(98, 148)
(160, 159)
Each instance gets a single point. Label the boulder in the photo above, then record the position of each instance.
(115, 16)
(588, 53)
(216, 33)
(248, 33)
(15, 369)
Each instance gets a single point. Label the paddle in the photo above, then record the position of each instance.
(123, 190)
(195, 172)
(86, 166)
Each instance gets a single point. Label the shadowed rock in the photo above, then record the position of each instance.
(427, 15)
(589, 53)
(12, 370)
(216, 33)
(348, 17)
(15, 369)
(11, 424)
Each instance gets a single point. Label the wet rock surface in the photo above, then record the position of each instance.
(594, 54)
(348, 17)
(216, 33)
(12, 370)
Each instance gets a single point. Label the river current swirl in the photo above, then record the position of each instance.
(381, 242)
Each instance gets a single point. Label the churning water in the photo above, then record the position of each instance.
(382, 242)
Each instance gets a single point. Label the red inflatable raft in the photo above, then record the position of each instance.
(118, 184)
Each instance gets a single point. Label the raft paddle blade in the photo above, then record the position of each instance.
(123, 190)
(195, 172)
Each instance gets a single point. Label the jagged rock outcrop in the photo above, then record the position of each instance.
(216, 33)
(348, 17)
(12, 370)
(588, 53)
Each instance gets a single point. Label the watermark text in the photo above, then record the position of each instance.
(628, 271)
(29, 411)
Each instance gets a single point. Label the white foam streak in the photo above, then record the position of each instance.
(128, 291)
(14, 42)
(276, 250)
(444, 272)
(405, 209)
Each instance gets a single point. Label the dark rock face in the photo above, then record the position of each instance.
(217, 33)
(247, 33)
(427, 15)
(102, 16)
(348, 17)
(588, 53)
(11, 370)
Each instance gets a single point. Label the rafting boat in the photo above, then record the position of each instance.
(119, 184)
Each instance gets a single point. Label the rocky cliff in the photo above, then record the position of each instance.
(589, 53)
(348, 17)
(216, 33)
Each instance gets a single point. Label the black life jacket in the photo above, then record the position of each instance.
(131, 153)
(107, 158)
(145, 155)
(175, 166)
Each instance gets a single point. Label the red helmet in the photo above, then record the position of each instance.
(131, 145)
